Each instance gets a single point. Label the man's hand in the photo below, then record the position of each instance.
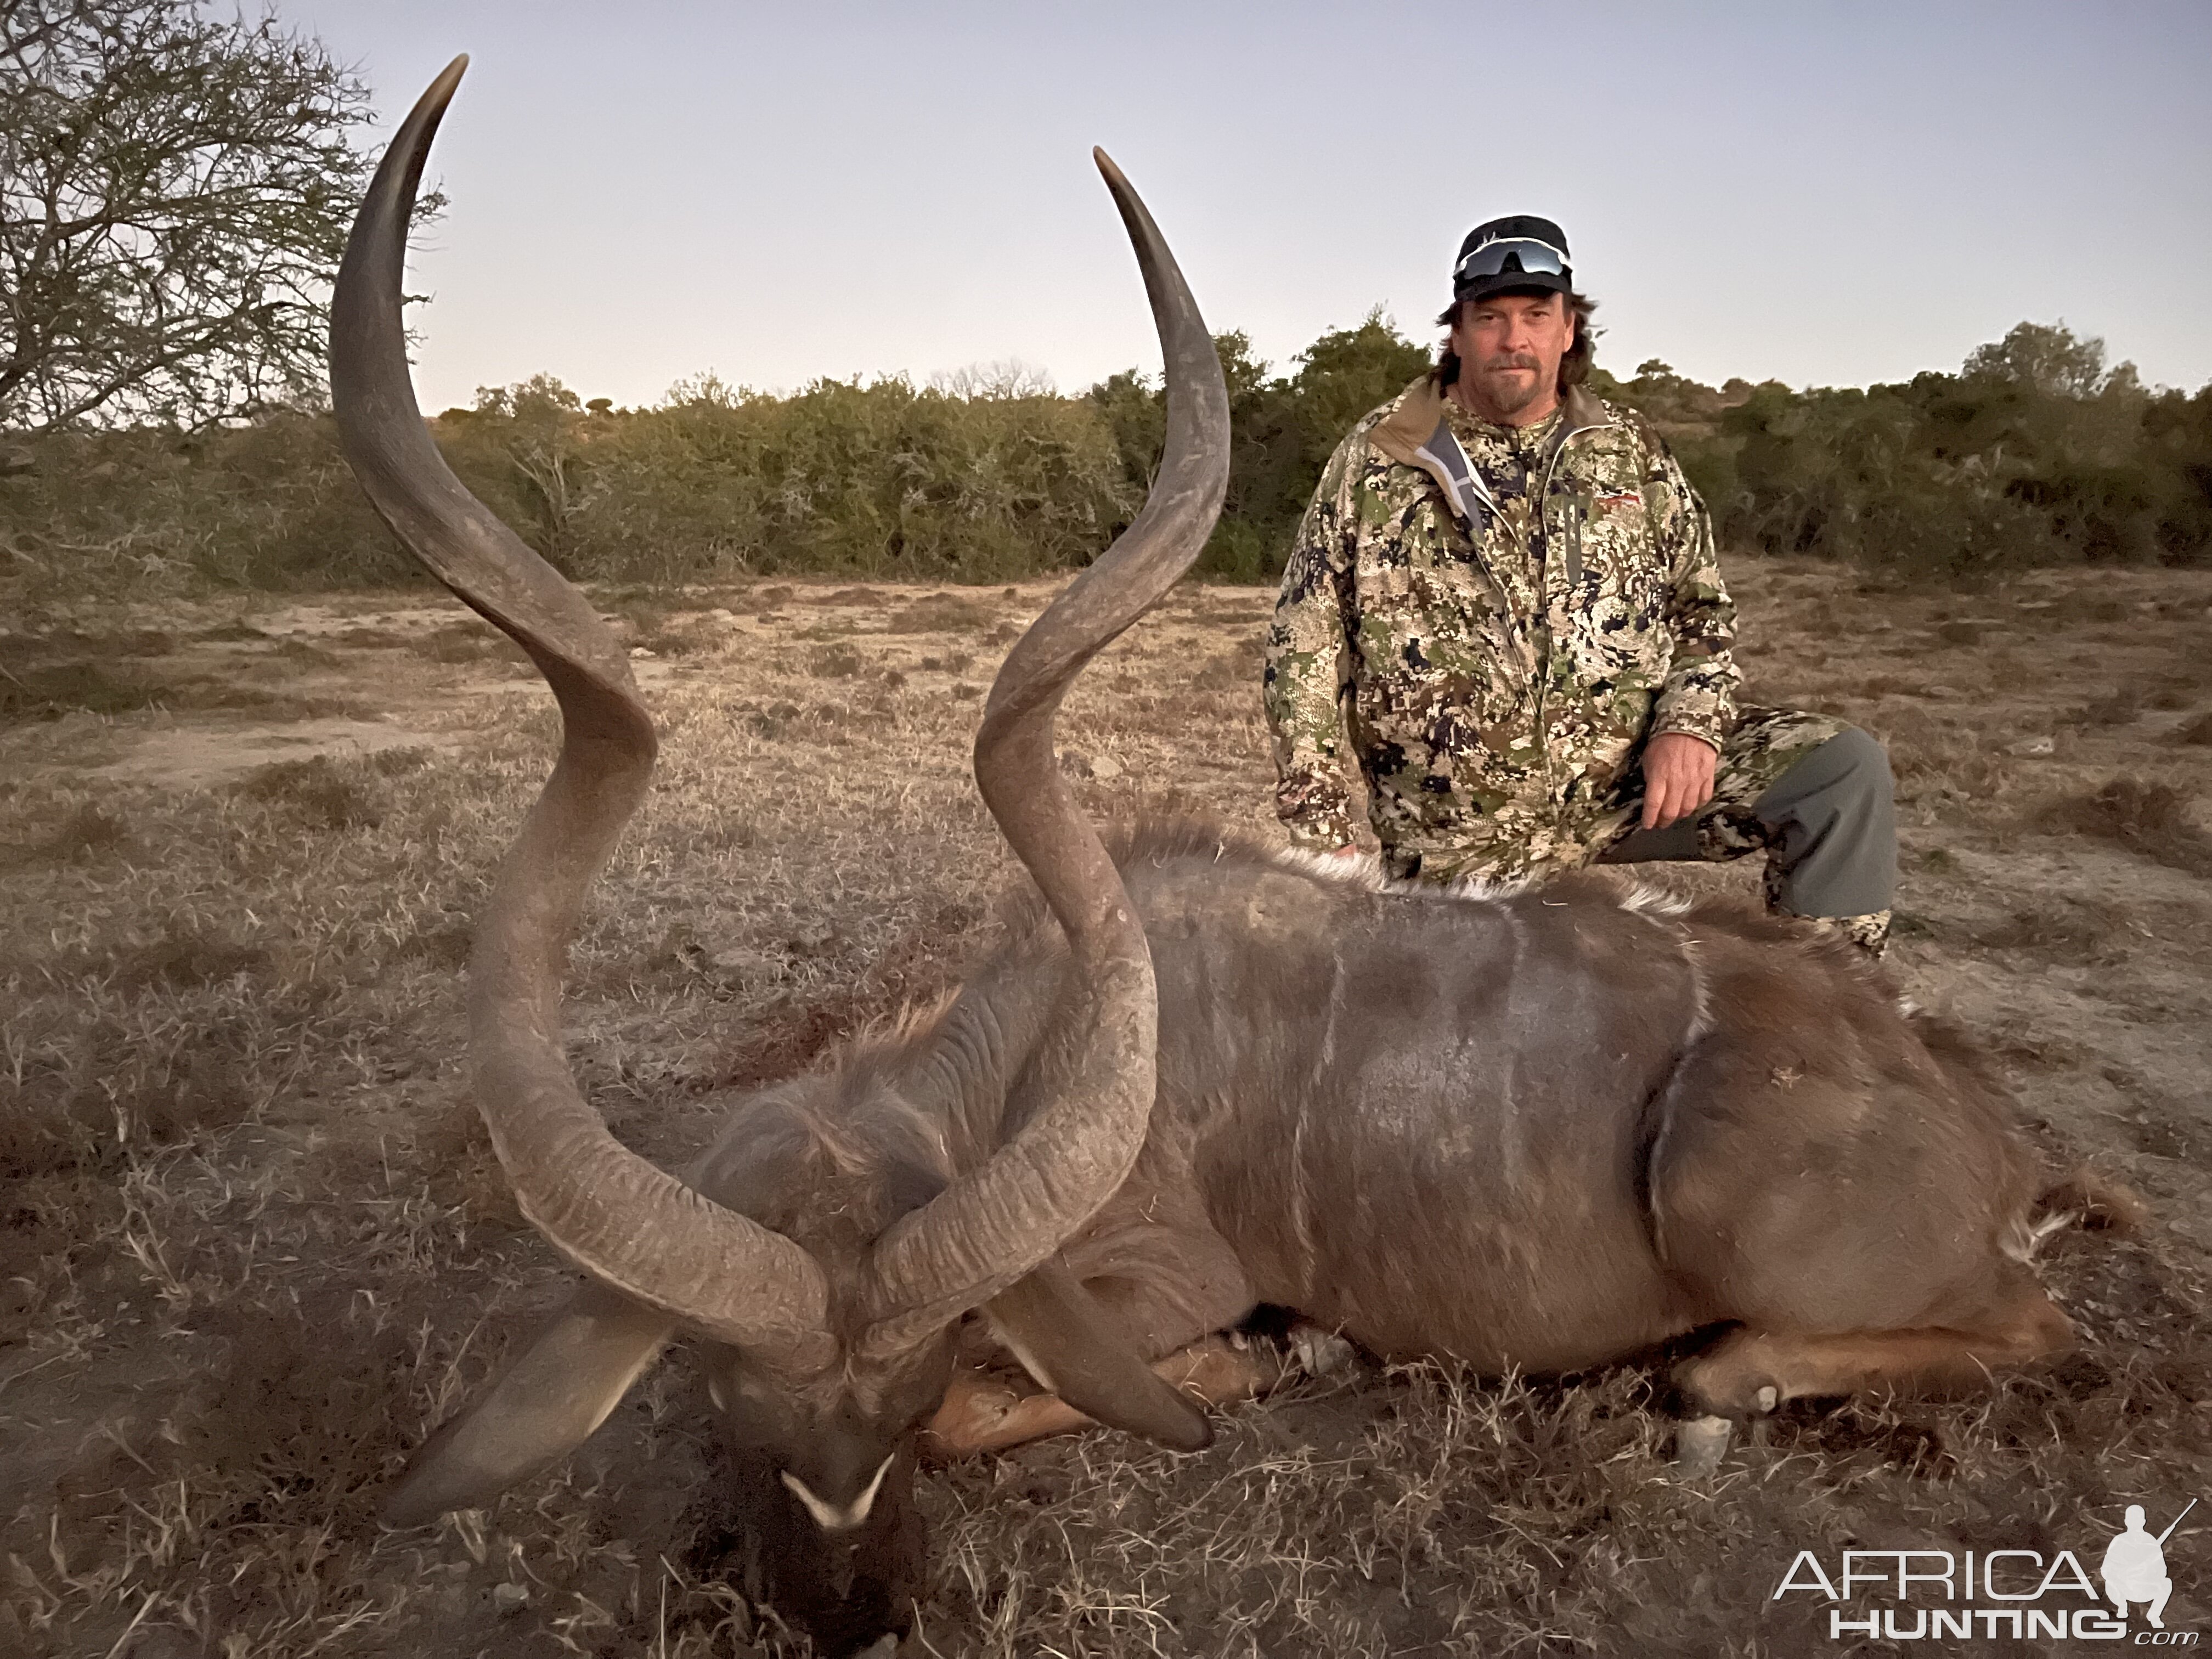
(1678, 777)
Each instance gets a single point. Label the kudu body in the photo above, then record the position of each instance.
(1543, 1128)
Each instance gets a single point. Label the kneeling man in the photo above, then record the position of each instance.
(1507, 590)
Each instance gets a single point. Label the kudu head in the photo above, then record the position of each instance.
(823, 1251)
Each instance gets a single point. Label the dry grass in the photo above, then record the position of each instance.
(2148, 817)
(1412, 1510)
(252, 1242)
(942, 613)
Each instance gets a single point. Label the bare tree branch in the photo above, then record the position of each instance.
(175, 189)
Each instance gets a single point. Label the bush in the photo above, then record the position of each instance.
(879, 480)
(1281, 432)
(142, 510)
(2033, 452)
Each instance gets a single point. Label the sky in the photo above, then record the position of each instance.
(1829, 194)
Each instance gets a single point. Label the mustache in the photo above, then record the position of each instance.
(1511, 359)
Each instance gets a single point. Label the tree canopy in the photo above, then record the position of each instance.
(175, 193)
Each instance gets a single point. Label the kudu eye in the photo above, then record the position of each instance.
(839, 1517)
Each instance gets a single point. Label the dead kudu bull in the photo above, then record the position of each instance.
(1543, 1129)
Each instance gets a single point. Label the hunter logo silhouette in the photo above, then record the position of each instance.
(2134, 1567)
(1919, 1594)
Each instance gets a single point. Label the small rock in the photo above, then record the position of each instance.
(510, 1598)
(1320, 1353)
(2033, 746)
(1700, 1443)
(642, 652)
(1105, 769)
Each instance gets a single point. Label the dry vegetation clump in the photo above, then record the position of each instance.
(320, 793)
(2122, 707)
(88, 832)
(653, 627)
(941, 613)
(2065, 929)
(1939, 759)
(2148, 817)
(48, 693)
(51, 691)
(253, 1242)
(465, 641)
(837, 662)
(1236, 670)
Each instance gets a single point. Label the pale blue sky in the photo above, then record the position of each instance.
(1826, 193)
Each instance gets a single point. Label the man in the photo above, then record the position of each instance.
(2134, 1568)
(1507, 590)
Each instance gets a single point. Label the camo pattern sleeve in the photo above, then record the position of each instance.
(1699, 697)
(1308, 666)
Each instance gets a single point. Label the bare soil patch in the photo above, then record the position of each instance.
(252, 1242)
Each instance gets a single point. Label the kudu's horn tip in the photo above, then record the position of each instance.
(440, 93)
(410, 145)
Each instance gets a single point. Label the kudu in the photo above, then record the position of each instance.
(1544, 1128)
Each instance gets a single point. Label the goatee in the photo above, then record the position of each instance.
(1509, 393)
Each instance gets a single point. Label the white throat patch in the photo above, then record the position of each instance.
(839, 1517)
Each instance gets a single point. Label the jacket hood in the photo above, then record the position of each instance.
(1412, 423)
(1414, 431)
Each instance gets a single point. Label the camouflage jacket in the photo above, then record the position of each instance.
(1497, 663)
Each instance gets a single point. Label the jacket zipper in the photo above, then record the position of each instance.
(1571, 545)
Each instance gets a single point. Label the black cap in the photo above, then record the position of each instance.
(1514, 275)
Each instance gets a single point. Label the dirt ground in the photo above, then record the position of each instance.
(253, 1243)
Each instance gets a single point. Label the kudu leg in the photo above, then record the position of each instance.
(1750, 1371)
(983, 1413)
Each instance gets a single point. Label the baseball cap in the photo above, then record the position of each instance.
(1518, 252)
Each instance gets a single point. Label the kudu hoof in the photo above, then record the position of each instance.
(1700, 1443)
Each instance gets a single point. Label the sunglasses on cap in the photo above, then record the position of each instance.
(1529, 255)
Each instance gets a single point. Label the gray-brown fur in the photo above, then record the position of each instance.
(1538, 1129)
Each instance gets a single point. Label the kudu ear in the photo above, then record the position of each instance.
(1074, 1344)
(545, 1404)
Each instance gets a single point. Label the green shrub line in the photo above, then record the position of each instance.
(2034, 452)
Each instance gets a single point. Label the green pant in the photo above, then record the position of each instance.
(1810, 792)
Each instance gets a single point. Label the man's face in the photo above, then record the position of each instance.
(1509, 348)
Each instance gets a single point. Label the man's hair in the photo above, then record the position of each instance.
(1574, 366)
